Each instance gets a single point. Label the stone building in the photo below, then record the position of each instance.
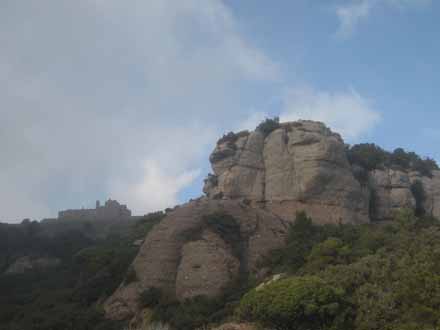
(111, 210)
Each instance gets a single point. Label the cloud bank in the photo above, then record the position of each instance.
(115, 99)
(347, 113)
(125, 99)
(352, 13)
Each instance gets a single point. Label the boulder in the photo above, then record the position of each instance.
(206, 268)
(186, 254)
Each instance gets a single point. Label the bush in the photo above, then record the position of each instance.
(400, 158)
(297, 303)
(367, 155)
(370, 157)
(332, 251)
(268, 125)
(191, 314)
(150, 297)
(232, 137)
(301, 237)
(227, 228)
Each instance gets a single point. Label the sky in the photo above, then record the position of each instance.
(126, 99)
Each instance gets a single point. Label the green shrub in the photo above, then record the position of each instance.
(301, 236)
(370, 157)
(332, 251)
(400, 158)
(150, 297)
(232, 137)
(227, 227)
(268, 125)
(144, 225)
(367, 155)
(191, 314)
(297, 303)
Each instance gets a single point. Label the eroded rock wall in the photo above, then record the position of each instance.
(391, 190)
(299, 166)
(185, 257)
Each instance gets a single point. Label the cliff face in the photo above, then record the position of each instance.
(260, 181)
(391, 190)
(189, 254)
(299, 166)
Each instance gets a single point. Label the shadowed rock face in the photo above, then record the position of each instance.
(261, 181)
(392, 191)
(186, 256)
(299, 166)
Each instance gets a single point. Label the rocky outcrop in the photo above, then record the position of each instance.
(187, 254)
(299, 166)
(391, 190)
(207, 267)
(261, 179)
(432, 191)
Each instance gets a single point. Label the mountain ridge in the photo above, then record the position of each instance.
(263, 179)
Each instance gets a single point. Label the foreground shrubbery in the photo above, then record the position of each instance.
(67, 297)
(300, 303)
(368, 277)
(364, 277)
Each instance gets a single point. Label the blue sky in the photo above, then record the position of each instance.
(126, 99)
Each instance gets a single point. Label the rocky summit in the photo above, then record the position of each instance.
(260, 180)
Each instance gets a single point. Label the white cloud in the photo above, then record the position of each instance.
(157, 189)
(252, 121)
(346, 113)
(352, 13)
(350, 16)
(94, 94)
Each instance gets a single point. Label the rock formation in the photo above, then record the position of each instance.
(391, 190)
(299, 166)
(186, 255)
(261, 179)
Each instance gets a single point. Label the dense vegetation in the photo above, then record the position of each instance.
(301, 303)
(94, 260)
(384, 277)
(369, 156)
(351, 277)
(199, 312)
(269, 125)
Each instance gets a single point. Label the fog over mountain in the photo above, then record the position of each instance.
(106, 99)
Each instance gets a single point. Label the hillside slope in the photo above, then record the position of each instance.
(261, 180)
